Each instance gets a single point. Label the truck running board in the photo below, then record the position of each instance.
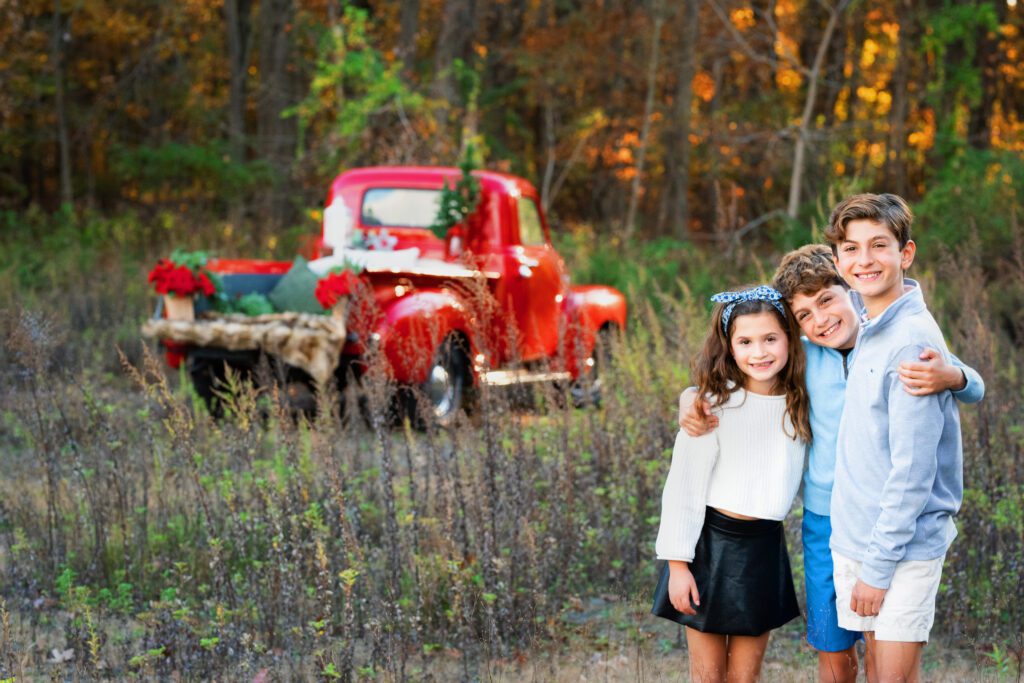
(504, 378)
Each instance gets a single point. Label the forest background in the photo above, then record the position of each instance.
(679, 147)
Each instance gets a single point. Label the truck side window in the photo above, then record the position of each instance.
(531, 233)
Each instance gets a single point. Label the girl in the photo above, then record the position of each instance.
(728, 579)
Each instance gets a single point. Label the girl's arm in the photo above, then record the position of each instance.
(684, 498)
(683, 503)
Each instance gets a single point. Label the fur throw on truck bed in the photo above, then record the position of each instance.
(309, 342)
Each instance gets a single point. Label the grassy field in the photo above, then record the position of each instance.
(139, 537)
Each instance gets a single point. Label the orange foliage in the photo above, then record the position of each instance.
(742, 18)
(704, 86)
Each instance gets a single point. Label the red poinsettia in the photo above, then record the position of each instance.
(169, 277)
(333, 286)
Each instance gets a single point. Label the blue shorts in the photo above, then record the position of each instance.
(823, 631)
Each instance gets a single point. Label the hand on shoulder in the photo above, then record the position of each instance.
(931, 376)
(695, 416)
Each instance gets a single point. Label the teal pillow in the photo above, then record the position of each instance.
(296, 291)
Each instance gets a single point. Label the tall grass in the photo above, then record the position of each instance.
(138, 535)
(224, 542)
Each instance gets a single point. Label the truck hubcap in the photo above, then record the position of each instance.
(440, 390)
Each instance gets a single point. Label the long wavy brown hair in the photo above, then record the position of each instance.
(717, 376)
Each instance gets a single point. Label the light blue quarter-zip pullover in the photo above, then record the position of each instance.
(899, 460)
(826, 387)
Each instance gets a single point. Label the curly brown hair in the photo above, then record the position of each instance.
(806, 271)
(890, 210)
(717, 376)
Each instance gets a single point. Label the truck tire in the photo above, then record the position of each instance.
(439, 400)
(206, 375)
(586, 389)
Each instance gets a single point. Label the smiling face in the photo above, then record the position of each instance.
(827, 317)
(871, 261)
(760, 348)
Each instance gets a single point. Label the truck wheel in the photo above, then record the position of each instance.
(444, 391)
(206, 376)
(586, 389)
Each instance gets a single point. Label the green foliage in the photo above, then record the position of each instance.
(977, 201)
(459, 202)
(956, 25)
(352, 84)
(979, 193)
(176, 171)
(42, 252)
(650, 271)
(793, 234)
(950, 43)
(253, 304)
(147, 657)
(193, 260)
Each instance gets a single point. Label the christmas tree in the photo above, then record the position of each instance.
(460, 201)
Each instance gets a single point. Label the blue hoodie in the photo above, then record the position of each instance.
(899, 460)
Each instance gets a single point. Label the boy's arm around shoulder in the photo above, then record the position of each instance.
(931, 374)
(684, 498)
(915, 427)
(974, 387)
(695, 415)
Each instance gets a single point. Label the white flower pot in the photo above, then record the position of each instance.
(179, 307)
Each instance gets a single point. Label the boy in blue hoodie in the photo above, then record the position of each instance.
(899, 461)
(808, 279)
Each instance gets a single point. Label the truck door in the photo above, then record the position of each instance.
(535, 285)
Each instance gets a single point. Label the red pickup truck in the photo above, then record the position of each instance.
(491, 304)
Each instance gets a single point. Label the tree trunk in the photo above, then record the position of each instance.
(551, 147)
(453, 42)
(979, 126)
(63, 139)
(832, 87)
(277, 136)
(677, 133)
(851, 82)
(645, 126)
(238, 18)
(714, 147)
(832, 71)
(796, 180)
(409, 26)
(895, 163)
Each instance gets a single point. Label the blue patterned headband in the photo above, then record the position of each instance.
(759, 293)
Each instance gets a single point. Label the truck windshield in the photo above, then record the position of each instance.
(400, 207)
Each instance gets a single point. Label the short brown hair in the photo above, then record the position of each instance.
(806, 270)
(888, 209)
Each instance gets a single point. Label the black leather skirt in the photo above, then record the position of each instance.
(743, 576)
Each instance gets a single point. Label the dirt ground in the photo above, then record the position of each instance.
(611, 642)
(604, 640)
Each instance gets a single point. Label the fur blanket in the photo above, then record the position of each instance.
(309, 342)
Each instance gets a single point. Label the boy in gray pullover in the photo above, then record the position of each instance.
(899, 462)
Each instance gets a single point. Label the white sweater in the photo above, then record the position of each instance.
(748, 465)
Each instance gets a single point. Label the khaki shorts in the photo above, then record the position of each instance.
(908, 609)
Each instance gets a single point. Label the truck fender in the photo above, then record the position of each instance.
(588, 309)
(413, 327)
